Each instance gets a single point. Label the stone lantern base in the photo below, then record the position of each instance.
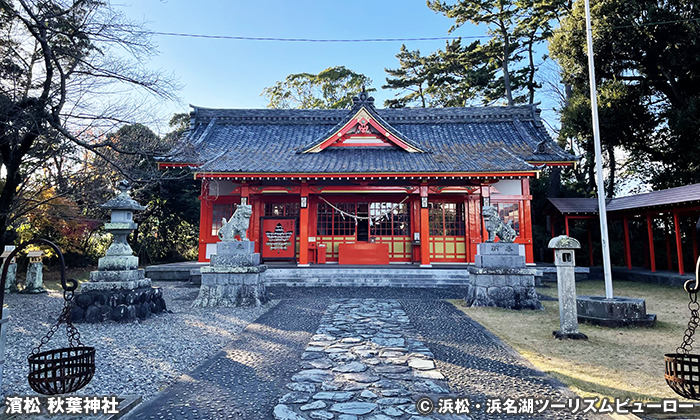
(121, 305)
(106, 298)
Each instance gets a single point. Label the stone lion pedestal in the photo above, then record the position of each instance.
(235, 276)
(499, 276)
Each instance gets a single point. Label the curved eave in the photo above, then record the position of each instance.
(369, 175)
(552, 163)
(162, 165)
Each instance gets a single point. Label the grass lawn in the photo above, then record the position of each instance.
(613, 362)
(52, 276)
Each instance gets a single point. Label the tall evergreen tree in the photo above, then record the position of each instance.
(411, 78)
(648, 70)
(333, 88)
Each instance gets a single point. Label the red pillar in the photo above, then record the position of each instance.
(526, 221)
(628, 252)
(590, 244)
(669, 260)
(650, 233)
(424, 228)
(254, 231)
(467, 231)
(551, 222)
(205, 220)
(679, 245)
(304, 227)
(695, 245)
(566, 224)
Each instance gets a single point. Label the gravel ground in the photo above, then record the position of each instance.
(245, 380)
(476, 364)
(139, 358)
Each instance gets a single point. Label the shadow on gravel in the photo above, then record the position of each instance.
(246, 379)
(472, 359)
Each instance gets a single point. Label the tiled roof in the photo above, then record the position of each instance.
(672, 196)
(575, 205)
(465, 140)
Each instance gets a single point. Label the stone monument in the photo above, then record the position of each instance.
(499, 276)
(235, 276)
(118, 290)
(565, 261)
(35, 273)
(11, 280)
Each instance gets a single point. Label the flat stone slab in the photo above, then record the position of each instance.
(352, 367)
(333, 396)
(357, 408)
(313, 375)
(370, 376)
(421, 364)
(283, 412)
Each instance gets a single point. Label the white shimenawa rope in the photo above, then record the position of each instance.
(370, 218)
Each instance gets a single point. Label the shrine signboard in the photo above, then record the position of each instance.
(278, 239)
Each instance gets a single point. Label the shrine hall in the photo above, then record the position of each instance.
(366, 185)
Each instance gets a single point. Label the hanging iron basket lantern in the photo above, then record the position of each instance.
(63, 370)
(683, 368)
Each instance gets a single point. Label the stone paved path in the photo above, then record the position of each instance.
(368, 357)
(367, 361)
(361, 362)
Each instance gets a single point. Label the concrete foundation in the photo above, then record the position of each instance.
(499, 278)
(615, 312)
(234, 278)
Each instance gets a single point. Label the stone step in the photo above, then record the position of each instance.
(369, 277)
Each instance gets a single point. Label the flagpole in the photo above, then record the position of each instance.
(602, 212)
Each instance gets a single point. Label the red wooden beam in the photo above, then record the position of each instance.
(628, 252)
(205, 221)
(590, 244)
(669, 260)
(695, 245)
(650, 233)
(368, 175)
(526, 221)
(679, 245)
(424, 229)
(304, 228)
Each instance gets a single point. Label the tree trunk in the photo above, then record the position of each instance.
(554, 182)
(613, 167)
(531, 78)
(506, 72)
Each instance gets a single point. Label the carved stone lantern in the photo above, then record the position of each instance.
(118, 290)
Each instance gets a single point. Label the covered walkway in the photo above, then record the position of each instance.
(651, 230)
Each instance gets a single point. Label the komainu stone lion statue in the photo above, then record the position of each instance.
(496, 227)
(237, 225)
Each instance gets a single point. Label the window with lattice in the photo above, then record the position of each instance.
(510, 212)
(446, 219)
(219, 211)
(389, 219)
(330, 222)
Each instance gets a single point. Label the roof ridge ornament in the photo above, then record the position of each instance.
(363, 99)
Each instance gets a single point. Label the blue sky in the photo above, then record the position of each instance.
(232, 74)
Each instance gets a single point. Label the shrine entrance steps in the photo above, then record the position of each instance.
(373, 276)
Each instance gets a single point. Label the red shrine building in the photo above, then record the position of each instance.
(366, 185)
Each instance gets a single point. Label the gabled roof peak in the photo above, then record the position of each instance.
(362, 127)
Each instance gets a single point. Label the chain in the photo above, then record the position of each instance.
(694, 308)
(65, 317)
